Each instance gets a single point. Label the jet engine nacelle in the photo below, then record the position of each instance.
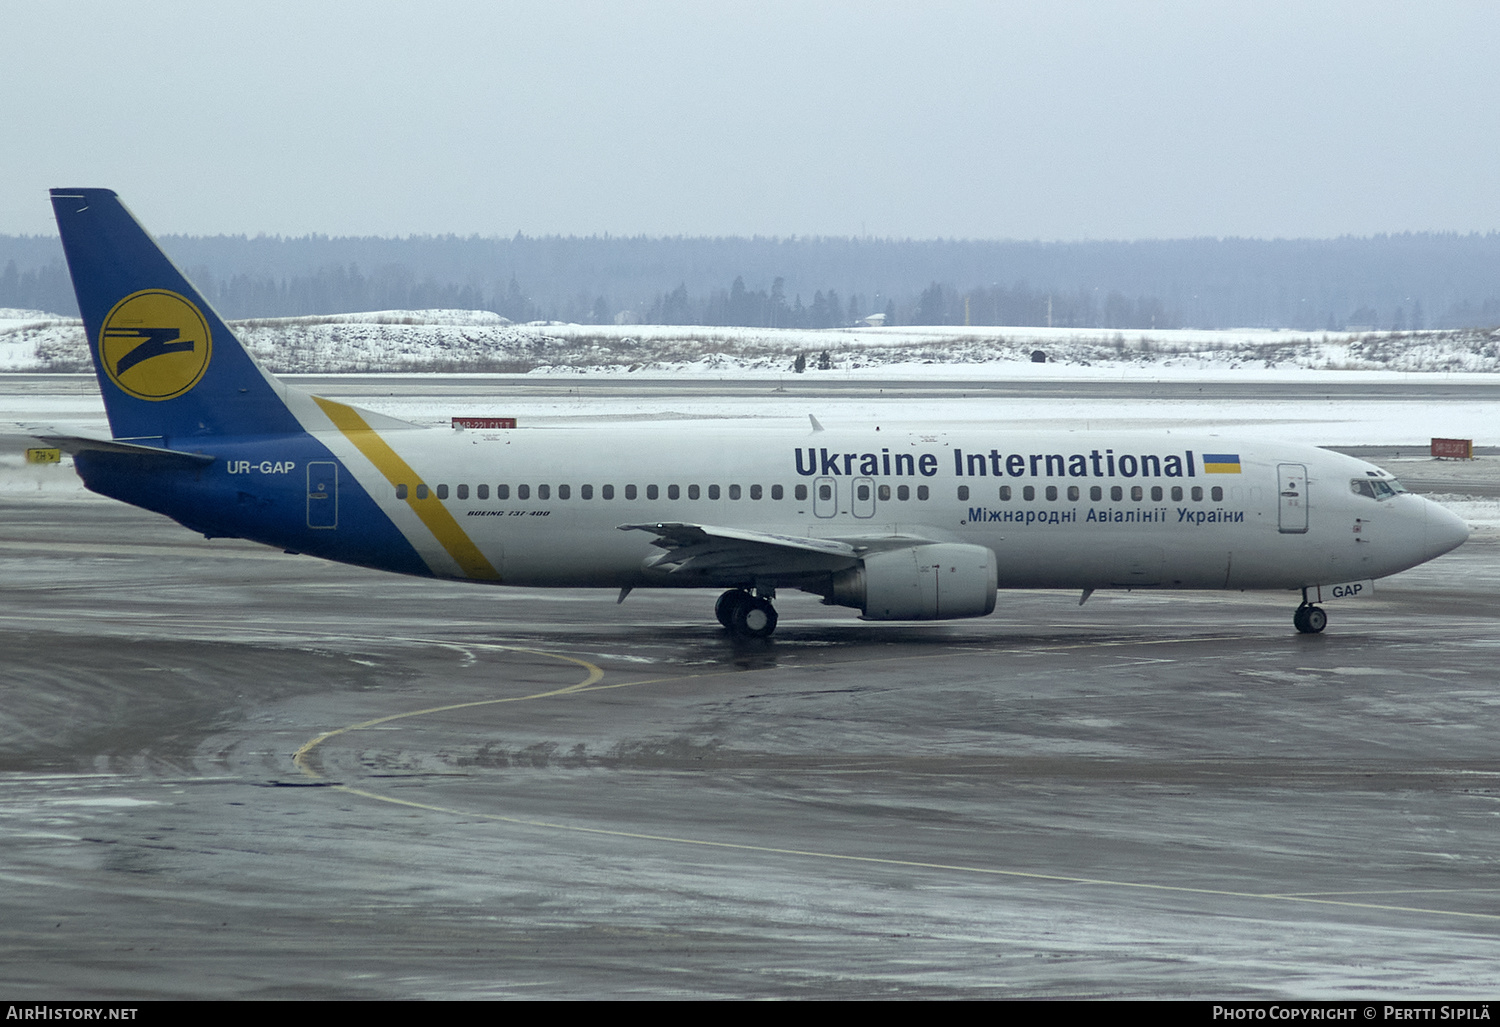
(936, 582)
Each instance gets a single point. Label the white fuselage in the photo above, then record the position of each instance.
(1059, 510)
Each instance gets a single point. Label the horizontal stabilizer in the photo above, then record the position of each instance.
(75, 443)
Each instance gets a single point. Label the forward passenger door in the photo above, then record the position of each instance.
(1291, 504)
(825, 497)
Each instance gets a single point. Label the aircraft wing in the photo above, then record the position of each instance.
(731, 554)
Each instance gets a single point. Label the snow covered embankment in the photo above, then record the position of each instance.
(462, 340)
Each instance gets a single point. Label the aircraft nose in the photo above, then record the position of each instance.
(1443, 531)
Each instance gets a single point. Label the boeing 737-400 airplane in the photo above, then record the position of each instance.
(900, 525)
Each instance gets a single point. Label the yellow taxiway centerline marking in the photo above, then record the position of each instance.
(594, 674)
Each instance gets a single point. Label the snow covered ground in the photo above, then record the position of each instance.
(469, 341)
(460, 340)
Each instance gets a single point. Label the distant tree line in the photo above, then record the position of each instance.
(38, 288)
(1403, 282)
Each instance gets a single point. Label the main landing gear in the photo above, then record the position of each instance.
(1310, 619)
(746, 615)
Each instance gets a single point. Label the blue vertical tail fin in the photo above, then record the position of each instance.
(168, 366)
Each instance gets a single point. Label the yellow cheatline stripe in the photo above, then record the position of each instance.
(432, 512)
(589, 684)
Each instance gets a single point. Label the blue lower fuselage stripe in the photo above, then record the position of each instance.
(259, 489)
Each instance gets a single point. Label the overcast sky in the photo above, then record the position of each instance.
(966, 119)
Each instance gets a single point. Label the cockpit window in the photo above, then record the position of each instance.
(1376, 488)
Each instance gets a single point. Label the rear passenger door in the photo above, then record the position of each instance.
(322, 494)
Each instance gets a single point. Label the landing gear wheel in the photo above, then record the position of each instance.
(728, 603)
(753, 617)
(1310, 619)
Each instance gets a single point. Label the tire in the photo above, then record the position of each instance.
(754, 618)
(726, 605)
(1315, 619)
(1299, 619)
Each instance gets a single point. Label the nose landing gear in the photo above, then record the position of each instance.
(746, 615)
(1309, 619)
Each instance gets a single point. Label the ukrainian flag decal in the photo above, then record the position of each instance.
(1221, 463)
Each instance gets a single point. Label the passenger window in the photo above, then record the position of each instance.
(523, 491)
(1095, 493)
(652, 491)
(922, 493)
(734, 492)
(442, 491)
(544, 492)
(421, 491)
(777, 492)
(1218, 494)
(903, 492)
(608, 492)
(502, 491)
(463, 492)
(1137, 493)
(1176, 493)
(755, 492)
(1028, 493)
(963, 492)
(825, 492)
(693, 492)
(884, 492)
(1005, 493)
(1051, 493)
(674, 492)
(1156, 493)
(1197, 493)
(563, 492)
(1116, 493)
(400, 491)
(629, 491)
(483, 491)
(800, 491)
(585, 492)
(713, 492)
(1073, 493)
